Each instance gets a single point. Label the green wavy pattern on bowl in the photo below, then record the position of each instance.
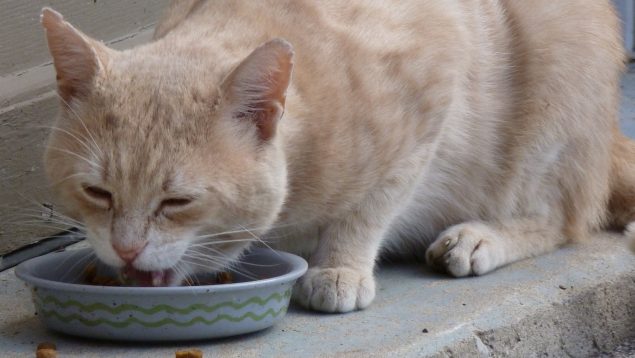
(163, 307)
(166, 321)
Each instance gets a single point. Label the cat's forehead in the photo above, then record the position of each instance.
(140, 81)
(140, 102)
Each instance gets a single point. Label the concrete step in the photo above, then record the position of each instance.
(576, 302)
(22, 42)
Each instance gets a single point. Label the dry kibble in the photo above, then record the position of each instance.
(189, 353)
(224, 277)
(46, 345)
(134, 278)
(46, 350)
(46, 353)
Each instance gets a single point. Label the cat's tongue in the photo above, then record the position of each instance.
(134, 277)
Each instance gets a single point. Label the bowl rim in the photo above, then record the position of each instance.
(24, 271)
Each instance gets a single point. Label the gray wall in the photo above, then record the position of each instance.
(626, 8)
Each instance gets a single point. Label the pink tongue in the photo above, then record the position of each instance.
(157, 278)
(134, 277)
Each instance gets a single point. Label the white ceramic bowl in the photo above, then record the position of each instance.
(161, 313)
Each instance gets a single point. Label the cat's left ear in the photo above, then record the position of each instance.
(256, 89)
(76, 57)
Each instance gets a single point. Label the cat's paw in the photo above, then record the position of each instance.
(466, 249)
(339, 289)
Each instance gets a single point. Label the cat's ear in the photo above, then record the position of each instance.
(256, 89)
(77, 58)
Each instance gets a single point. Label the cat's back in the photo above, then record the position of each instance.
(350, 56)
(332, 37)
(327, 35)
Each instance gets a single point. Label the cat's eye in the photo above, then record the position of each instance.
(98, 194)
(174, 203)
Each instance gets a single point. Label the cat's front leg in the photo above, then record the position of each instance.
(340, 277)
(476, 248)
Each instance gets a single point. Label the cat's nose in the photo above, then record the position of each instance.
(128, 253)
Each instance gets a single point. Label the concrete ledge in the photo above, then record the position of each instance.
(22, 43)
(25, 85)
(577, 301)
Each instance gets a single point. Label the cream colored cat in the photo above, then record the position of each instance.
(484, 131)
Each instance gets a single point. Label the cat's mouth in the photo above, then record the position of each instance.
(157, 278)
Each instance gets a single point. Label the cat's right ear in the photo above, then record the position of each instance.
(256, 90)
(77, 58)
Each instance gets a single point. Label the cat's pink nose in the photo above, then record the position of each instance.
(128, 253)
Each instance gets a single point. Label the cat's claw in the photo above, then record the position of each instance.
(339, 289)
(466, 249)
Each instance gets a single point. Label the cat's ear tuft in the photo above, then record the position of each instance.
(77, 58)
(256, 89)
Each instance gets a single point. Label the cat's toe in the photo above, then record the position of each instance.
(335, 289)
(465, 249)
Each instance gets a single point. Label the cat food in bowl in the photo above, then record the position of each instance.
(134, 278)
(257, 298)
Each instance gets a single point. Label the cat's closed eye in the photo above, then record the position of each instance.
(98, 196)
(174, 204)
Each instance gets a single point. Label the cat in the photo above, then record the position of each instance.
(471, 134)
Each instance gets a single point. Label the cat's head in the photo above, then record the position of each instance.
(157, 153)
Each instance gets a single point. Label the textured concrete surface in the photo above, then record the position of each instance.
(575, 302)
(22, 44)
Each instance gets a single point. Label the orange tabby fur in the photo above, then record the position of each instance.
(484, 131)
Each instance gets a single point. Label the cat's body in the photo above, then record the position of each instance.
(490, 126)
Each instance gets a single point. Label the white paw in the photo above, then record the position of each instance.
(335, 289)
(466, 249)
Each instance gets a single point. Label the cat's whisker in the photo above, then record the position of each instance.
(204, 256)
(233, 231)
(42, 224)
(78, 156)
(55, 232)
(271, 238)
(38, 225)
(68, 106)
(49, 210)
(219, 242)
(180, 273)
(64, 131)
(45, 215)
(262, 242)
(209, 258)
(38, 238)
(199, 264)
(48, 219)
(69, 257)
(186, 278)
(221, 256)
(225, 265)
(235, 261)
(82, 260)
(68, 177)
(241, 231)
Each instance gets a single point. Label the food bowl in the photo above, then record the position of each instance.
(161, 313)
